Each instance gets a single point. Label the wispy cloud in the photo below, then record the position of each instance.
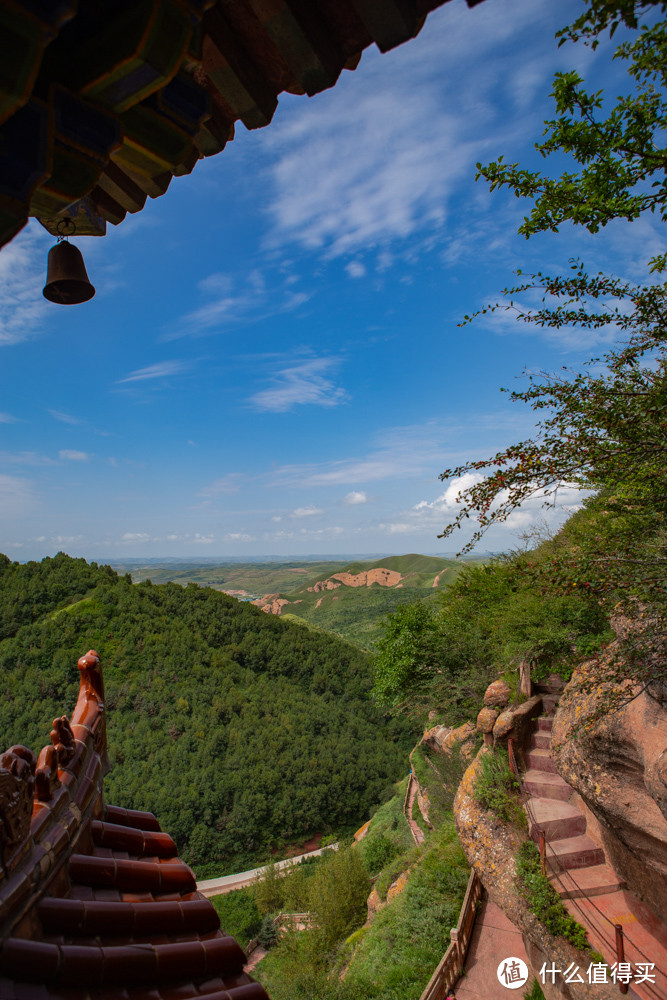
(25, 458)
(224, 485)
(65, 418)
(68, 455)
(23, 309)
(386, 164)
(300, 384)
(402, 453)
(7, 418)
(16, 495)
(163, 369)
(310, 511)
(248, 299)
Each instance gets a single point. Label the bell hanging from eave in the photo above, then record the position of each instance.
(66, 279)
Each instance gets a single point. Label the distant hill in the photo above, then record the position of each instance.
(242, 732)
(351, 601)
(348, 598)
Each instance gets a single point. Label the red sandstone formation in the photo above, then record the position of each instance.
(94, 901)
(385, 577)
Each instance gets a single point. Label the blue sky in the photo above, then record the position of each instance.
(272, 363)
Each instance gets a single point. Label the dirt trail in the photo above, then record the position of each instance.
(416, 830)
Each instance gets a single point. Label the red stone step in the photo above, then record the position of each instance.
(574, 852)
(540, 741)
(594, 881)
(549, 703)
(557, 819)
(553, 684)
(546, 785)
(544, 725)
(540, 760)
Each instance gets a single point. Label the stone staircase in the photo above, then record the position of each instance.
(564, 825)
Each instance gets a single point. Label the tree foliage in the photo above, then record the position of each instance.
(601, 429)
(240, 731)
(622, 156)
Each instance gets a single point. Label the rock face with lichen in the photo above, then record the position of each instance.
(444, 739)
(617, 761)
(490, 847)
(497, 695)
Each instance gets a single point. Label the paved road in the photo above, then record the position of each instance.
(227, 883)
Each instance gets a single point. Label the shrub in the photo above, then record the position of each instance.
(378, 853)
(543, 900)
(268, 932)
(238, 914)
(496, 787)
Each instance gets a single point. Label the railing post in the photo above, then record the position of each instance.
(512, 759)
(620, 953)
(525, 684)
(543, 852)
(454, 934)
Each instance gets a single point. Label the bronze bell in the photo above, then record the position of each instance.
(66, 279)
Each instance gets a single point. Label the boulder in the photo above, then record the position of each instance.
(497, 694)
(486, 720)
(517, 723)
(444, 739)
(617, 761)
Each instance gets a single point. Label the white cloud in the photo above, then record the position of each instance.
(135, 536)
(355, 269)
(7, 418)
(355, 498)
(23, 309)
(310, 511)
(400, 528)
(202, 539)
(216, 284)
(239, 536)
(446, 502)
(163, 369)
(300, 384)
(68, 455)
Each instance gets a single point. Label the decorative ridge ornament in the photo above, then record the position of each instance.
(67, 281)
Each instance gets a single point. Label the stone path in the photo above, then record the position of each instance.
(415, 829)
(494, 939)
(589, 888)
(227, 883)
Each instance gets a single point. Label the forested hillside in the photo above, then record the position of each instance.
(240, 731)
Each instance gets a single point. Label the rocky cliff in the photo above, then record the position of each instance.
(617, 761)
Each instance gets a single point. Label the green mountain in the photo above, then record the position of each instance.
(352, 600)
(242, 732)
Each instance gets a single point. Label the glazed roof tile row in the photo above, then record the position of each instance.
(94, 902)
(99, 111)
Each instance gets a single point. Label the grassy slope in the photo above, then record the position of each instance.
(394, 957)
